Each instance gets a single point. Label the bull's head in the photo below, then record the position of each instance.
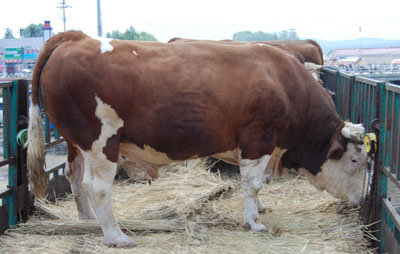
(342, 174)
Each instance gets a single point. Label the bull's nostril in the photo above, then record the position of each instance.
(354, 161)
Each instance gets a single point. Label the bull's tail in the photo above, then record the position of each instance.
(36, 159)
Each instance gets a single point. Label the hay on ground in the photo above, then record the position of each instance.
(209, 208)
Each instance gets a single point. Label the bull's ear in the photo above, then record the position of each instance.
(335, 151)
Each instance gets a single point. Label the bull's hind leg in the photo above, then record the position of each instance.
(251, 172)
(97, 182)
(74, 174)
(100, 169)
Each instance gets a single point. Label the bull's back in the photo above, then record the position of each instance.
(185, 100)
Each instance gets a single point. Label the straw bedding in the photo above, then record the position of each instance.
(196, 211)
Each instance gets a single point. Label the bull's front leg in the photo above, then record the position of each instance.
(252, 172)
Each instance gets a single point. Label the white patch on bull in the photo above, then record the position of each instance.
(99, 174)
(105, 44)
(134, 52)
(231, 156)
(315, 76)
(312, 66)
(148, 154)
(274, 168)
(353, 131)
(260, 44)
(251, 172)
(110, 123)
(74, 175)
(342, 178)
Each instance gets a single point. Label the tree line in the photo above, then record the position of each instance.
(37, 31)
(264, 36)
(131, 34)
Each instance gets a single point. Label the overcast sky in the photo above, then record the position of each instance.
(213, 19)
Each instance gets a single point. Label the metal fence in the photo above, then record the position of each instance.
(16, 199)
(363, 100)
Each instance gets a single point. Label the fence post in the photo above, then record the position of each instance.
(10, 147)
(16, 101)
(381, 192)
(22, 168)
(337, 91)
(350, 103)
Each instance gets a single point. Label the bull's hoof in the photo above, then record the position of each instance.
(267, 178)
(256, 227)
(262, 209)
(121, 242)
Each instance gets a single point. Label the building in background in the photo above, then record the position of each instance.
(365, 56)
(18, 56)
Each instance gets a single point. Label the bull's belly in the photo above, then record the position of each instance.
(131, 152)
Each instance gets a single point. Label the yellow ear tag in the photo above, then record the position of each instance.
(370, 143)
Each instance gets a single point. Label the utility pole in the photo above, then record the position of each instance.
(63, 7)
(99, 25)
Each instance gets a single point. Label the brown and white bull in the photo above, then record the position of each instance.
(155, 103)
(308, 51)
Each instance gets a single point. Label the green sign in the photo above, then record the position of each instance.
(13, 54)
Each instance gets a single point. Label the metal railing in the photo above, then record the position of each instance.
(362, 100)
(16, 199)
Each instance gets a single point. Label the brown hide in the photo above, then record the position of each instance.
(304, 50)
(309, 49)
(187, 99)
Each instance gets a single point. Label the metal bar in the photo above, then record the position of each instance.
(357, 109)
(6, 122)
(364, 102)
(22, 195)
(368, 108)
(397, 117)
(381, 192)
(56, 168)
(388, 121)
(54, 143)
(393, 88)
(369, 81)
(391, 176)
(374, 105)
(352, 99)
(8, 161)
(56, 134)
(337, 90)
(12, 167)
(5, 84)
(392, 213)
(5, 194)
(47, 133)
(395, 133)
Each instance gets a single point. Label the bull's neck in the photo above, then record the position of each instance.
(312, 151)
